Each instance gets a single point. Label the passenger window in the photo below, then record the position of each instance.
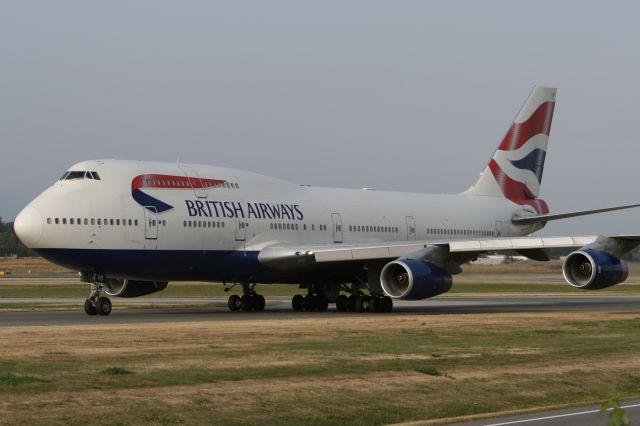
(79, 221)
(136, 222)
(304, 226)
(71, 222)
(117, 222)
(49, 221)
(111, 222)
(99, 221)
(64, 220)
(93, 221)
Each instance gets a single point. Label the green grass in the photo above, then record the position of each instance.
(448, 359)
(116, 371)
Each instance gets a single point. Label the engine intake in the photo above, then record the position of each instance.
(412, 279)
(593, 270)
(132, 288)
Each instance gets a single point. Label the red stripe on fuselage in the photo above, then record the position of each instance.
(172, 182)
(519, 133)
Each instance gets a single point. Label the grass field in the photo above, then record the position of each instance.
(360, 369)
(324, 370)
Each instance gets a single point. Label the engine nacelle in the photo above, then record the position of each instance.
(412, 279)
(132, 288)
(593, 270)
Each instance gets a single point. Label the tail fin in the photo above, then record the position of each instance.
(515, 171)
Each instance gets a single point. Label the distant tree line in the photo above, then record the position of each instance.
(10, 244)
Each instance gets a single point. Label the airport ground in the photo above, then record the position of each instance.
(443, 365)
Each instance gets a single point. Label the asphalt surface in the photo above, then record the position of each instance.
(581, 416)
(280, 308)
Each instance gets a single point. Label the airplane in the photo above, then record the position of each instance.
(130, 227)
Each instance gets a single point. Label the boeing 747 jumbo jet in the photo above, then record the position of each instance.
(130, 227)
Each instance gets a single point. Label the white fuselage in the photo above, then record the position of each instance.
(244, 212)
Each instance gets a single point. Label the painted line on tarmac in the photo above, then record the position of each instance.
(580, 413)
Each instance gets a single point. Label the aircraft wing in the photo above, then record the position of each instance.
(284, 257)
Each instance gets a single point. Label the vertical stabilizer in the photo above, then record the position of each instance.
(515, 170)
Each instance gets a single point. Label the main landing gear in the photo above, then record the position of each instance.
(249, 301)
(95, 303)
(374, 303)
(318, 299)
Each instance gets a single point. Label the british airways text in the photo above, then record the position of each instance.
(235, 209)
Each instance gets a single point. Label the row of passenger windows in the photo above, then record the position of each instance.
(460, 232)
(203, 224)
(295, 226)
(364, 228)
(97, 221)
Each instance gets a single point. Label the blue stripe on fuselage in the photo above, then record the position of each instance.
(169, 265)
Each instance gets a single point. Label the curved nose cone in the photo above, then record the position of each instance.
(29, 226)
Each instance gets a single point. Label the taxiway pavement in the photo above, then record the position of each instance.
(214, 309)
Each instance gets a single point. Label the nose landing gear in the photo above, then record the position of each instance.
(95, 303)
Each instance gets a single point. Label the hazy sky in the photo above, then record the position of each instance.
(398, 95)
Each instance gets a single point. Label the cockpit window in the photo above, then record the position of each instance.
(74, 175)
(80, 175)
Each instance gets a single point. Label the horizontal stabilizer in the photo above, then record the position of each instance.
(528, 220)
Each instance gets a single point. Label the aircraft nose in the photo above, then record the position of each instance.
(29, 226)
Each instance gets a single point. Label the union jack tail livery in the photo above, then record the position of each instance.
(515, 170)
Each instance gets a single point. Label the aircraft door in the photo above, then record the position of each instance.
(150, 227)
(196, 182)
(498, 229)
(337, 227)
(411, 228)
(241, 230)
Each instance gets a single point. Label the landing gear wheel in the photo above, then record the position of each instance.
(90, 307)
(373, 304)
(358, 300)
(103, 306)
(297, 302)
(246, 303)
(321, 303)
(234, 303)
(310, 303)
(364, 305)
(259, 302)
(342, 303)
(387, 304)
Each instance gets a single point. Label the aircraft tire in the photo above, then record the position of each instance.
(260, 303)
(374, 304)
(246, 303)
(103, 306)
(357, 303)
(387, 304)
(234, 303)
(297, 302)
(90, 308)
(342, 303)
(321, 303)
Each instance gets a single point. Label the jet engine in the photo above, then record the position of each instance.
(132, 288)
(413, 279)
(593, 270)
